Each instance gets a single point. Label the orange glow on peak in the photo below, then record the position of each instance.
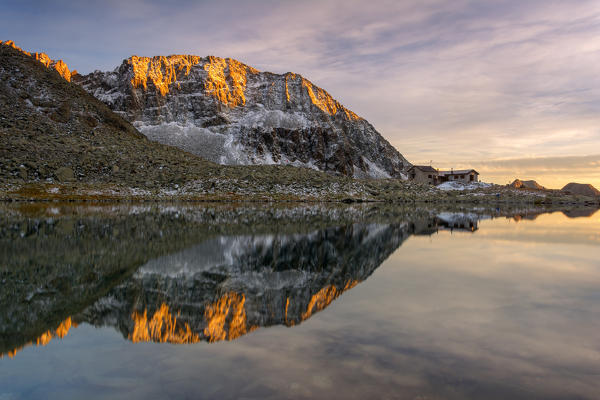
(60, 332)
(227, 310)
(162, 71)
(323, 298)
(320, 98)
(12, 44)
(226, 80)
(59, 65)
(162, 328)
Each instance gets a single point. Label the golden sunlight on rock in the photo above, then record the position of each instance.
(62, 69)
(320, 98)
(226, 80)
(324, 297)
(162, 328)
(60, 332)
(12, 44)
(43, 58)
(60, 66)
(228, 310)
(162, 71)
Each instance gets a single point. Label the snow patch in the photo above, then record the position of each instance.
(374, 171)
(463, 186)
(210, 145)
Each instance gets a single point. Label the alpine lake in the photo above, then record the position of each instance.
(298, 301)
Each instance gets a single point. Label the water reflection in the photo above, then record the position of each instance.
(219, 289)
(182, 275)
(120, 266)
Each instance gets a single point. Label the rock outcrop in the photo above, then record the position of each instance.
(519, 184)
(59, 66)
(230, 113)
(584, 189)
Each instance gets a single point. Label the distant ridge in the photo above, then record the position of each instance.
(584, 189)
(518, 184)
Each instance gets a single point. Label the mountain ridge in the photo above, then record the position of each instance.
(59, 141)
(231, 113)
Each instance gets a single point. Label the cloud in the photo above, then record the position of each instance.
(558, 164)
(449, 81)
(554, 172)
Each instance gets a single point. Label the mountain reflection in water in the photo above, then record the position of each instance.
(124, 273)
(219, 289)
(183, 275)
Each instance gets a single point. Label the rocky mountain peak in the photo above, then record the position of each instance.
(60, 66)
(226, 78)
(225, 81)
(228, 112)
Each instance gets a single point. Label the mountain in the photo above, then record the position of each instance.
(52, 130)
(584, 189)
(230, 113)
(526, 185)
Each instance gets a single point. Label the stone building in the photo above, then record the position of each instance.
(423, 174)
(459, 175)
(428, 174)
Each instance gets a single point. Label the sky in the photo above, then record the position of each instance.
(508, 87)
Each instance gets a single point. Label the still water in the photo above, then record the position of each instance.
(263, 302)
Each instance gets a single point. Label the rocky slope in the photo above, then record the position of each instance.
(53, 131)
(230, 113)
(584, 189)
(59, 66)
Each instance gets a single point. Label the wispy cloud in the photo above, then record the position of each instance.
(553, 172)
(449, 81)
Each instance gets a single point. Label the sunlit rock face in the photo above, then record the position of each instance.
(59, 65)
(230, 113)
(229, 286)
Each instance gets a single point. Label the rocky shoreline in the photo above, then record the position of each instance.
(245, 189)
